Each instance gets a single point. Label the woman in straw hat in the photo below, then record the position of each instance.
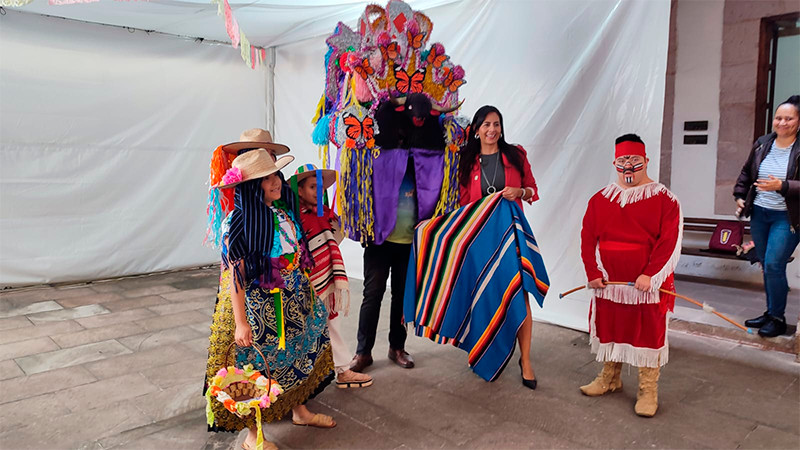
(270, 296)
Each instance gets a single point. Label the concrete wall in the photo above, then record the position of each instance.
(697, 78)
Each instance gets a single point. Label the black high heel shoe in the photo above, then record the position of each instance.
(530, 384)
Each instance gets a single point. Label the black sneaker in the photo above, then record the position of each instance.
(775, 327)
(758, 322)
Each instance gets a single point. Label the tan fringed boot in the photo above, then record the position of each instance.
(647, 397)
(608, 380)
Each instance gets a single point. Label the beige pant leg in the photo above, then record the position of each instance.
(341, 352)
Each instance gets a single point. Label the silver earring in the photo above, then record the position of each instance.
(476, 136)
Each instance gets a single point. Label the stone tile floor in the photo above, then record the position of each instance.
(120, 363)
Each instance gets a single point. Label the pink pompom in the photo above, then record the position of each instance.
(352, 60)
(232, 175)
(363, 94)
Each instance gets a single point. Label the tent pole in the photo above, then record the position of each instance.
(270, 90)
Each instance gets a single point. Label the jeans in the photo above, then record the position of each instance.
(775, 242)
(379, 262)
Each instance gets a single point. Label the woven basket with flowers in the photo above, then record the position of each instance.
(242, 391)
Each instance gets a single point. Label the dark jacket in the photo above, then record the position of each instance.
(791, 186)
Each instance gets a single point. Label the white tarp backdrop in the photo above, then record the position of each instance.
(105, 136)
(569, 77)
(105, 139)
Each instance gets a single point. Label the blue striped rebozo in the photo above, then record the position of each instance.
(468, 278)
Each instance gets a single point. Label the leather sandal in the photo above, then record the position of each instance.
(317, 421)
(267, 446)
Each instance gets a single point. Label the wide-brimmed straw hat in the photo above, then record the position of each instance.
(307, 170)
(251, 166)
(255, 138)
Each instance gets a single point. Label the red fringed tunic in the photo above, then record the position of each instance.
(627, 233)
(328, 276)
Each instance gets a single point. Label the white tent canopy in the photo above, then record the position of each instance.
(267, 23)
(106, 135)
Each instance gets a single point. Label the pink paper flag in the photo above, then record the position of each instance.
(231, 25)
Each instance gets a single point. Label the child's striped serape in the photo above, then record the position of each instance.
(468, 279)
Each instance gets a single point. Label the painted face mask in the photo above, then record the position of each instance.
(629, 167)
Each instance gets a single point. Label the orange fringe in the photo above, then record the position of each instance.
(220, 163)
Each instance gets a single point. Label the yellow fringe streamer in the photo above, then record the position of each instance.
(323, 156)
(260, 438)
(320, 110)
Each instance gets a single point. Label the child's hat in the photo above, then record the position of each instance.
(325, 179)
(307, 170)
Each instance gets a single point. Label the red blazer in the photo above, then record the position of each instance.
(472, 192)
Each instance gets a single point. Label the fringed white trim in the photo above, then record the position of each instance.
(661, 276)
(344, 300)
(600, 261)
(619, 293)
(626, 353)
(628, 295)
(338, 301)
(625, 196)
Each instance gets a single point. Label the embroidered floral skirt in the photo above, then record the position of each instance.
(304, 368)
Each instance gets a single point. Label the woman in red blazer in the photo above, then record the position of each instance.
(488, 165)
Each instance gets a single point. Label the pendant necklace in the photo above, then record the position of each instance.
(490, 189)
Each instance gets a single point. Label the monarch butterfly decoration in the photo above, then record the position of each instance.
(452, 82)
(390, 51)
(359, 131)
(436, 56)
(409, 84)
(357, 128)
(364, 69)
(371, 69)
(415, 39)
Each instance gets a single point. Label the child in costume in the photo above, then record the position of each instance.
(268, 301)
(220, 207)
(328, 276)
(631, 233)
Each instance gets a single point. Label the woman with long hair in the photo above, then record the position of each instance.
(768, 191)
(488, 165)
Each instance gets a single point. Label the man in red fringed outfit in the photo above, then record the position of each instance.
(631, 233)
